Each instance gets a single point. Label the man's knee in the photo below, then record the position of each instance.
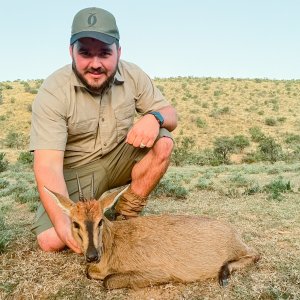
(49, 241)
(163, 148)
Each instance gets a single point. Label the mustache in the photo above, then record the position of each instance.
(95, 70)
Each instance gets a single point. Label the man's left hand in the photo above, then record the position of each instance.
(144, 132)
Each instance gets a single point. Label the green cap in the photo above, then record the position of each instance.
(95, 23)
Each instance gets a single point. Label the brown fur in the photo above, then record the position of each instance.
(153, 250)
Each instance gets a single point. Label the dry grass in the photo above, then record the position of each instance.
(271, 226)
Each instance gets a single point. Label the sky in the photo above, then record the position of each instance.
(166, 38)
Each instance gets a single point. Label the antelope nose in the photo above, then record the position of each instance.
(92, 256)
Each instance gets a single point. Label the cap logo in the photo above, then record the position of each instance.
(92, 20)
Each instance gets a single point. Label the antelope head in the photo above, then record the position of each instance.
(87, 218)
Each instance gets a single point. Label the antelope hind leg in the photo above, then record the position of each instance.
(235, 265)
(133, 280)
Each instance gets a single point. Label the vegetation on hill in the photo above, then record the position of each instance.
(220, 120)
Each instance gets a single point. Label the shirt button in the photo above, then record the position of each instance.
(104, 144)
(102, 119)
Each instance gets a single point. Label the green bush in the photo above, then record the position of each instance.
(277, 187)
(30, 195)
(270, 121)
(201, 123)
(3, 162)
(240, 142)
(292, 138)
(3, 183)
(270, 150)
(168, 189)
(15, 140)
(5, 235)
(204, 184)
(252, 189)
(183, 151)
(256, 134)
(171, 186)
(207, 157)
(25, 158)
(223, 146)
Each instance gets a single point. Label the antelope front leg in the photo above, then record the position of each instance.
(94, 271)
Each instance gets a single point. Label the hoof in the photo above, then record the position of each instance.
(224, 274)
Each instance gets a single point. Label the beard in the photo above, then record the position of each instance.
(96, 88)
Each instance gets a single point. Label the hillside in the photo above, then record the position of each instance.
(207, 107)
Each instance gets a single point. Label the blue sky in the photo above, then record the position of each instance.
(212, 38)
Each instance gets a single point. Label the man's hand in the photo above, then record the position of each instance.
(65, 234)
(144, 132)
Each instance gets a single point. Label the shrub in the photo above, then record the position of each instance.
(252, 189)
(270, 150)
(25, 158)
(256, 134)
(204, 184)
(240, 142)
(292, 138)
(201, 123)
(3, 162)
(183, 151)
(15, 140)
(281, 119)
(5, 235)
(207, 157)
(219, 111)
(3, 183)
(277, 187)
(170, 187)
(270, 122)
(30, 195)
(223, 146)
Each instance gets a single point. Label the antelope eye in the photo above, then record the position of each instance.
(100, 223)
(76, 225)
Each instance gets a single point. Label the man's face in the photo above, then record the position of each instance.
(94, 62)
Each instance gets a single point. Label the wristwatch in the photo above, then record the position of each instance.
(158, 117)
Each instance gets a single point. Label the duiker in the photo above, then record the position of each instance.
(153, 250)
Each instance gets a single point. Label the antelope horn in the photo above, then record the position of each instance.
(81, 197)
(92, 188)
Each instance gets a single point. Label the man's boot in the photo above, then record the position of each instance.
(129, 205)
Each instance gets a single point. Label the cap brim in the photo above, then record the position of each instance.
(107, 39)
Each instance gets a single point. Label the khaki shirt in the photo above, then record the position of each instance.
(67, 117)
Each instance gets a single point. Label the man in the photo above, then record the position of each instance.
(83, 123)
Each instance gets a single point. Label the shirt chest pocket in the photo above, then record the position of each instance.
(82, 135)
(124, 120)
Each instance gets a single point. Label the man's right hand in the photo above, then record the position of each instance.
(64, 232)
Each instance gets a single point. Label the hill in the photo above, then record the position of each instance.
(207, 108)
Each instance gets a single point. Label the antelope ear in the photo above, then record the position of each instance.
(63, 202)
(110, 198)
